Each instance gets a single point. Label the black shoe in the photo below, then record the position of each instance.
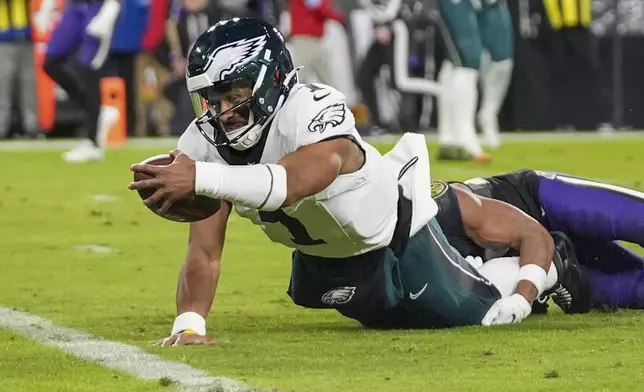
(573, 293)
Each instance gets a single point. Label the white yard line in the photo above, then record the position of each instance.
(118, 356)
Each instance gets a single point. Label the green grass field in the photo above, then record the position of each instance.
(49, 212)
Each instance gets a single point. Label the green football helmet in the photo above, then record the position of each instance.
(239, 54)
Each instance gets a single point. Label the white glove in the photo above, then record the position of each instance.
(43, 18)
(508, 310)
(475, 261)
(102, 25)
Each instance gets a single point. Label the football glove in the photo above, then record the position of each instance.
(508, 310)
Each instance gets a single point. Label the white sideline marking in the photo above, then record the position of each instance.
(118, 356)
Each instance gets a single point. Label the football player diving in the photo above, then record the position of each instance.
(594, 215)
(287, 157)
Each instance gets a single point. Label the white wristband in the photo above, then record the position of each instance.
(255, 186)
(189, 320)
(534, 274)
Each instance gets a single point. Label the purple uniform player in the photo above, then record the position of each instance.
(593, 214)
(84, 33)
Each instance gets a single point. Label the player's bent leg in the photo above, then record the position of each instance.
(616, 274)
(464, 49)
(608, 257)
(65, 40)
(495, 26)
(591, 209)
(617, 290)
(497, 37)
(441, 288)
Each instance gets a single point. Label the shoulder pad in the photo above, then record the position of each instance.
(314, 112)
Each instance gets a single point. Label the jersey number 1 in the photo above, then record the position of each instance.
(294, 226)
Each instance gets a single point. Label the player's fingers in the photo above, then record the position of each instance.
(163, 342)
(167, 203)
(147, 169)
(487, 320)
(142, 184)
(491, 315)
(155, 199)
(175, 152)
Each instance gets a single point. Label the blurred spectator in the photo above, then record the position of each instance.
(126, 45)
(189, 19)
(378, 55)
(305, 39)
(17, 67)
(153, 72)
(267, 10)
(85, 29)
(573, 63)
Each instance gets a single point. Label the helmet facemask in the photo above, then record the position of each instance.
(229, 107)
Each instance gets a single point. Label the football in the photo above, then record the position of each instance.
(192, 209)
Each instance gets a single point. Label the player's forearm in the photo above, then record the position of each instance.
(266, 187)
(262, 187)
(536, 248)
(489, 222)
(197, 286)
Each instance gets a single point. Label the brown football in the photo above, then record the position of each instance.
(185, 210)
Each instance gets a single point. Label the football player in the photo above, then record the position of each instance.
(593, 214)
(85, 30)
(458, 77)
(495, 26)
(287, 157)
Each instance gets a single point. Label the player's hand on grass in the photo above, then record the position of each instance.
(184, 339)
(172, 182)
(508, 310)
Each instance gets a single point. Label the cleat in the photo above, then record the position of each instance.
(573, 291)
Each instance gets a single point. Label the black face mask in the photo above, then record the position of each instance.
(207, 105)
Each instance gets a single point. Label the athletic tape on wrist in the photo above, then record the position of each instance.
(189, 321)
(534, 274)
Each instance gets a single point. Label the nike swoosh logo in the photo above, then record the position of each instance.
(320, 98)
(414, 296)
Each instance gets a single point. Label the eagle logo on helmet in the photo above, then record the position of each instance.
(338, 296)
(234, 55)
(331, 115)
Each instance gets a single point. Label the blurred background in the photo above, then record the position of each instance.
(581, 74)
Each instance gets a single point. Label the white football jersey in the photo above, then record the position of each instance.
(355, 214)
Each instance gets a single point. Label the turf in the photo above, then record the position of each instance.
(49, 212)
